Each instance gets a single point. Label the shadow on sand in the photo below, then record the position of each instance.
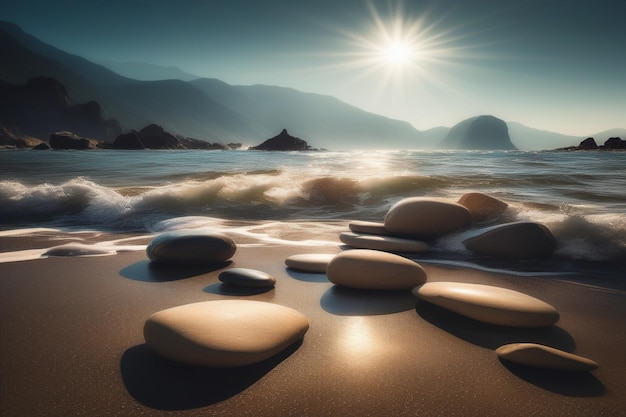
(344, 301)
(574, 384)
(148, 271)
(167, 385)
(221, 288)
(306, 276)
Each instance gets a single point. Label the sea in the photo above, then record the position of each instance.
(579, 196)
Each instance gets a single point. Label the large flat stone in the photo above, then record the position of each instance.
(309, 262)
(374, 270)
(494, 305)
(383, 243)
(541, 356)
(373, 228)
(191, 247)
(426, 217)
(224, 333)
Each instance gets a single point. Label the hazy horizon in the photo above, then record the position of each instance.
(557, 66)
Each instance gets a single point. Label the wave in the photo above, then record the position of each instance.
(585, 230)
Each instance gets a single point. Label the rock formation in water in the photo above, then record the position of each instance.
(70, 140)
(283, 142)
(482, 132)
(589, 144)
(155, 137)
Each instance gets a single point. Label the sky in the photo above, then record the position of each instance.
(557, 65)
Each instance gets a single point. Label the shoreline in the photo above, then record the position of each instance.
(71, 343)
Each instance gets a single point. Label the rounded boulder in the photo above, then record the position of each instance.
(374, 270)
(482, 207)
(426, 217)
(186, 247)
(520, 240)
(246, 277)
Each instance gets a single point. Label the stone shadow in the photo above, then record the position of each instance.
(148, 271)
(343, 301)
(167, 385)
(571, 384)
(221, 288)
(306, 276)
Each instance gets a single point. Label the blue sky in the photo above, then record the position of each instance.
(558, 65)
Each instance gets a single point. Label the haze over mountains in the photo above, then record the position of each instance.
(211, 110)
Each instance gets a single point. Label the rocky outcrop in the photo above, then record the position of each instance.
(589, 144)
(9, 139)
(155, 137)
(70, 140)
(43, 105)
(283, 142)
(482, 133)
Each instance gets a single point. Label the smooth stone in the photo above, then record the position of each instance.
(309, 262)
(372, 228)
(224, 333)
(520, 240)
(247, 277)
(493, 305)
(541, 356)
(384, 243)
(191, 247)
(374, 270)
(427, 217)
(482, 207)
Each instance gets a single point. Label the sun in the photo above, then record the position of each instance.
(398, 53)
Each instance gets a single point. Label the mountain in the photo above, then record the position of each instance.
(481, 132)
(147, 72)
(324, 121)
(527, 138)
(208, 110)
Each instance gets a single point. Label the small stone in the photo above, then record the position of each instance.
(309, 262)
(372, 228)
(541, 356)
(374, 270)
(191, 247)
(482, 207)
(493, 305)
(224, 333)
(246, 277)
(426, 217)
(519, 240)
(383, 243)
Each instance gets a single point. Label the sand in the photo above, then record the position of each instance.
(71, 343)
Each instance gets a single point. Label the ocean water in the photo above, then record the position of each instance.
(580, 196)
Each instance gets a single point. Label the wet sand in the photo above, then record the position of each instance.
(71, 343)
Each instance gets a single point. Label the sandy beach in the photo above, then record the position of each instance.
(71, 343)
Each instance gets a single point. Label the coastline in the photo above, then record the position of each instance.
(71, 343)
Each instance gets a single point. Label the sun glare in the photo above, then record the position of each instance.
(397, 53)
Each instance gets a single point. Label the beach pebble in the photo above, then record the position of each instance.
(224, 333)
(246, 277)
(482, 207)
(374, 270)
(191, 247)
(309, 262)
(426, 217)
(541, 356)
(384, 243)
(520, 240)
(493, 305)
(373, 228)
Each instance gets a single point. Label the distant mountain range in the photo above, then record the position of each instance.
(211, 110)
